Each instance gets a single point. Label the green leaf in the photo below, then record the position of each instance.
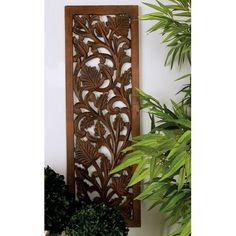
(168, 55)
(154, 205)
(176, 232)
(140, 172)
(130, 159)
(139, 178)
(189, 57)
(158, 171)
(155, 7)
(148, 142)
(188, 166)
(181, 178)
(148, 98)
(174, 217)
(184, 122)
(173, 57)
(186, 230)
(178, 110)
(168, 111)
(164, 8)
(151, 189)
(151, 16)
(182, 141)
(153, 167)
(156, 26)
(184, 14)
(176, 164)
(171, 202)
(180, 55)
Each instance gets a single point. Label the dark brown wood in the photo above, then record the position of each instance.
(69, 102)
(102, 106)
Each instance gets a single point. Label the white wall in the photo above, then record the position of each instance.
(155, 79)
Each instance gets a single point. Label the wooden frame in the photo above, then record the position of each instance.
(132, 11)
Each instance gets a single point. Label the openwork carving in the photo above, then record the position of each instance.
(102, 109)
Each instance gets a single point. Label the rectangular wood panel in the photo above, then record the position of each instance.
(102, 108)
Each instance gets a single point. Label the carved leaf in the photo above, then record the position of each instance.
(86, 153)
(101, 102)
(126, 77)
(90, 97)
(105, 166)
(90, 78)
(87, 122)
(80, 47)
(101, 29)
(106, 70)
(117, 91)
(79, 22)
(123, 58)
(81, 159)
(82, 187)
(124, 41)
(89, 150)
(118, 123)
(119, 24)
(77, 108)
(99, 129)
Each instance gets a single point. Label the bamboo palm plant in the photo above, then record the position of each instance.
(163, 156)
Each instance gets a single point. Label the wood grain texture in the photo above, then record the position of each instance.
(102, 106)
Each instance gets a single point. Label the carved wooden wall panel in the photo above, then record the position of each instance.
(102, 108)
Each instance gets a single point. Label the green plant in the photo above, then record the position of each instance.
(174, 22)
(163, 156)
(58, 201)
(163, 159)
(96, 220)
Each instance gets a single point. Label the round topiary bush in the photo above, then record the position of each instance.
(59, 203)
(96, 220)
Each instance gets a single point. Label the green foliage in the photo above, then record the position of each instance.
(163, 159)
(174, 22)
(163, 156)
(186, 91)
(59, 202)
(96, 220)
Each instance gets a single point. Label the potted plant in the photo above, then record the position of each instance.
(59, 203)
(96, 219)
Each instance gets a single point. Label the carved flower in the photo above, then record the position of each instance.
(119, 184)
(90, 78)
(119, 24)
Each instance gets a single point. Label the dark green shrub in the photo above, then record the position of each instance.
(59, 203)
(96, 220)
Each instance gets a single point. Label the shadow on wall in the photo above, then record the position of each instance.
(152, 223)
